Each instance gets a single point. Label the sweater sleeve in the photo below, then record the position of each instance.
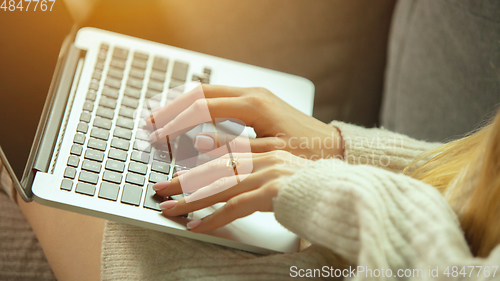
(375, 219)
(379, 147)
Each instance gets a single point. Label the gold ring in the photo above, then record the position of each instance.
(232, 163)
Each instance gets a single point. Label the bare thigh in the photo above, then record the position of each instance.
(71, 242)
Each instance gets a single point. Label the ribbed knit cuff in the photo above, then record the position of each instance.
(379, 147)
(304, 204)
(370, 216)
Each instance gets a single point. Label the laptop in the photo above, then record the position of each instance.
(90, 155)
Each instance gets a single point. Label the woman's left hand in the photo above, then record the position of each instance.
(254, 192)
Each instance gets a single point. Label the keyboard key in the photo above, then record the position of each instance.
(70, 173)
(142, 135)
(180, 71)
(122, 133)
(139, 156)
(111, 103)
(137, 73)
(76, 149)
(137, 168)
(155, 177)
(102, 123)
(141, 56)
(119, 143)
(99, 65)
(160, 167)
(73, 161)
(140, 64)
(101, 57)
(207, 71)
(174, 83)
(135, 179)
(91, 166)
(127, 112)
(163, 156)
(82, 127)
(116, 73)
(96, 75)
(94, 86)
(130, 102)
(85, 116)
(131, 195)
(88, 177)
(118, 64)
(120, 53)
(89, 106)
(116, 166)
(85, 188)
(94, 155)
(110, 92)
(109, 191)
(153, 94)
(97, 144)
(91, 95)
(118, 155)
(99, 134)
(113, 83)
(125, 122)
(157, 86)
(134, 83)
(142, 146)
(66, 184)
(151, 200)
(131, 92)
(105, 112)
(157, 75)
(160, 64)
(112, 177)
(79, 138)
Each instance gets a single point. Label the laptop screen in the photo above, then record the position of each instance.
(29, 46)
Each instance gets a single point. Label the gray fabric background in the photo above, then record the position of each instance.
(443, 76)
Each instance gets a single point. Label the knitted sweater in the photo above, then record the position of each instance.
(362, 217)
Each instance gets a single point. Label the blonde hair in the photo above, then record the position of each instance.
(467, 173)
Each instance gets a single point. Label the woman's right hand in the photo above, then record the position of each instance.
(278, 125)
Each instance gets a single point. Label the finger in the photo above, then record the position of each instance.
(202, 176)
(197, 113)
(215, 187)
(179, 207)
(214, 144)
(203, 111)
(165, 114)
(168, 188)
(237, 207)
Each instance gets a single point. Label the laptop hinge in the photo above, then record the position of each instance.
(52, 114)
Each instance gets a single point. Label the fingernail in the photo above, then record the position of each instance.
(193, 224)
(161, 185)
(166, 205)
(203, 142)
(180, 173)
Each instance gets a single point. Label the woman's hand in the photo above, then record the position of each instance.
(278, 125)
(254, 192)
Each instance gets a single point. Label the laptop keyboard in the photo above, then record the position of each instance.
(111, 157)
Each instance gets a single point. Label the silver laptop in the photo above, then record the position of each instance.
(91, 156)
